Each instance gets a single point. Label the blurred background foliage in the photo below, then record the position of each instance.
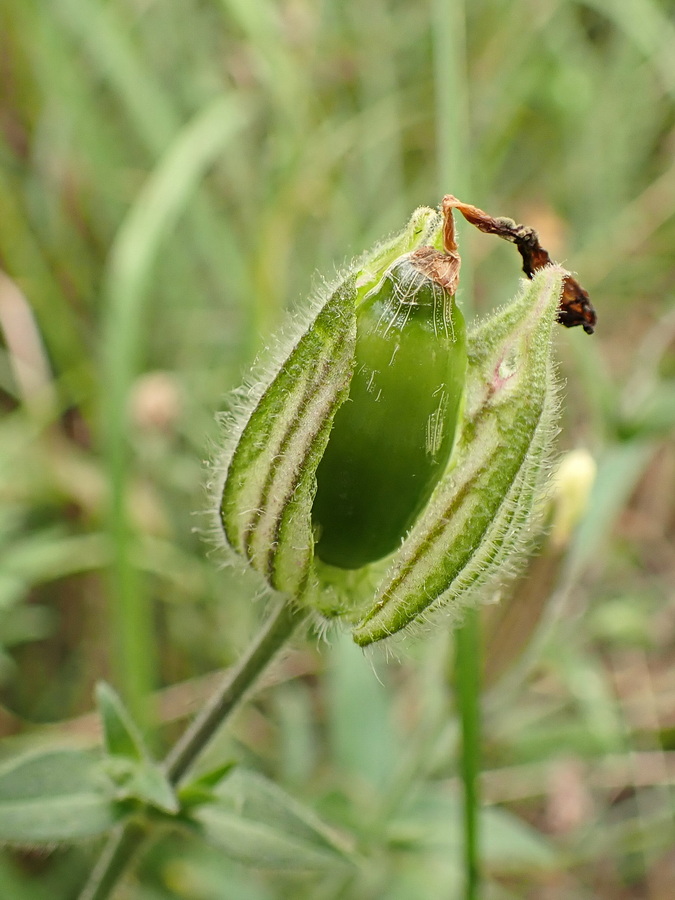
(173, 176)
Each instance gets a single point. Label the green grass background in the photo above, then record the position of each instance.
(174, 175)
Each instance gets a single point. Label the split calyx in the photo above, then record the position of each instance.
(390, 463)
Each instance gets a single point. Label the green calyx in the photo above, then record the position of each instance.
(374, 453)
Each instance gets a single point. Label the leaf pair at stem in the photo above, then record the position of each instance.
(389, 463)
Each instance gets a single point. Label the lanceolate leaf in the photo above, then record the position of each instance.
(54, 796)
(201, 790)
(483, 509)
(147, 783)
(257, 823)
(120, 735)
(259, 844)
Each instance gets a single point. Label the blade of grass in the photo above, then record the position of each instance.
(157, 208)
(102, 32)
(454, 173)
(649, 27)
(453, 137)
(27, 264)
(467, 681)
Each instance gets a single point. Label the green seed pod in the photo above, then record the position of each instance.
(392, 439)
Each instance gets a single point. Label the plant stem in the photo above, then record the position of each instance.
(277, 630)
(453, 137)
(467, 680)
(113, 861)
(124, 843)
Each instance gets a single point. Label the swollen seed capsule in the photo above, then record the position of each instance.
(392, 439)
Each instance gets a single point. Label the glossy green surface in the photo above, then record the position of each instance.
(391, 440)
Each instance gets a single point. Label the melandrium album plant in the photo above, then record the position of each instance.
(389, 465)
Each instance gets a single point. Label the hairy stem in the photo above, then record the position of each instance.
(124, 843)
(278, 629)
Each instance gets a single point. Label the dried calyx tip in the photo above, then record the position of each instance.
(575, 304)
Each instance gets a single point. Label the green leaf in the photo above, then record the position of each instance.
(257, 823)
(213, 777)
(121, 737)
(201, 790)
(143, 781)
(512, 845)
(358, 709)
(657, 414)
(619, 469)
(433, 821)
(54, 796)
(151, 786)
